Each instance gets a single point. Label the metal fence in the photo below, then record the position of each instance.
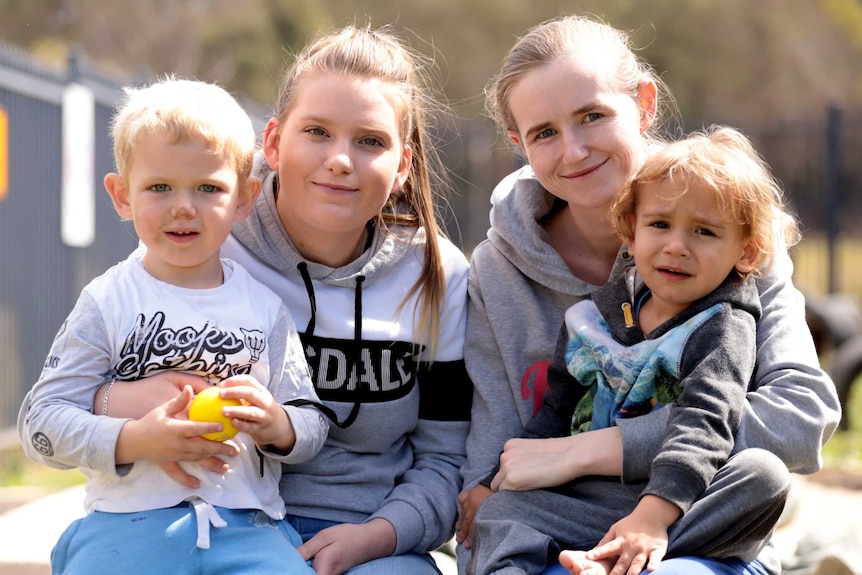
(817, 160)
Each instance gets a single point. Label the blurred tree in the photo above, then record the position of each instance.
(235, 42)
(848, 13)
(741, 66)
(726, 60)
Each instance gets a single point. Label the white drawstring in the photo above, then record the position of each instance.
(206, 514)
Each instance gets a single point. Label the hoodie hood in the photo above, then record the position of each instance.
(625, 285)
(263, 234)
(519, 204)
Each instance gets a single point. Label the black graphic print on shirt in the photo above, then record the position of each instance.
(207, 350)
(361, 371)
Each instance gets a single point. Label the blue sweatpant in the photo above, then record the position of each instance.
(163, 541)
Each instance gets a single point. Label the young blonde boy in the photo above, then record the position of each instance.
(674, 328)
(184, 152)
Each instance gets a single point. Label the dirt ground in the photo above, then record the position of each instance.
(821, 532)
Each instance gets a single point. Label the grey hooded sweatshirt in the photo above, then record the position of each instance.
(397, 444)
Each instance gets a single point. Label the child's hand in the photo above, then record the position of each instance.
(260, 416)
(165, 435)
(469, 501)
(631, 547)
(173, 470)
(638, 541)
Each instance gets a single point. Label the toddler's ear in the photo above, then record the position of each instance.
(248, 193)
(116, 187)
(748, 259)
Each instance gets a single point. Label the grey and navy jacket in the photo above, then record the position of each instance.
(698, 365)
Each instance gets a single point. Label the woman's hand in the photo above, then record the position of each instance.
(533, 464)
(336, 549)
(540, 463)
(469, 501)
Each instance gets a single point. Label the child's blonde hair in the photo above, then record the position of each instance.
(184, 109)
(379, 54)
(724, 160)
(576, 36)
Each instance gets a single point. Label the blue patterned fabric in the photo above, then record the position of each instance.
(623, 381)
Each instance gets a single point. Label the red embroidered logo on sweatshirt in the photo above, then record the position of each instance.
(535, 383)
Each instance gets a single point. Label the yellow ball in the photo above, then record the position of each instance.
(207, 406)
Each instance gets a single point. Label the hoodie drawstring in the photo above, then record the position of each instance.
(357, 310)
(309, 290)
(353, 360)
(353, 364)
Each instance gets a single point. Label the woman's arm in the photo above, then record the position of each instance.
(134, 399)
(544, 454)
(494, 416)
(793, 408)
(536, 461)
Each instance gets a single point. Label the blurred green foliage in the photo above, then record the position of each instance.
(18, 471)
(844, 449)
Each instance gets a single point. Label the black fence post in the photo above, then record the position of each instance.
(834, 165)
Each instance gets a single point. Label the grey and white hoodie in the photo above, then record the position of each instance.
(397, 447)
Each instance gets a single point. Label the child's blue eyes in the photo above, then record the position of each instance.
(207, 188)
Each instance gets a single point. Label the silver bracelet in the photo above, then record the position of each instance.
(105, 399)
